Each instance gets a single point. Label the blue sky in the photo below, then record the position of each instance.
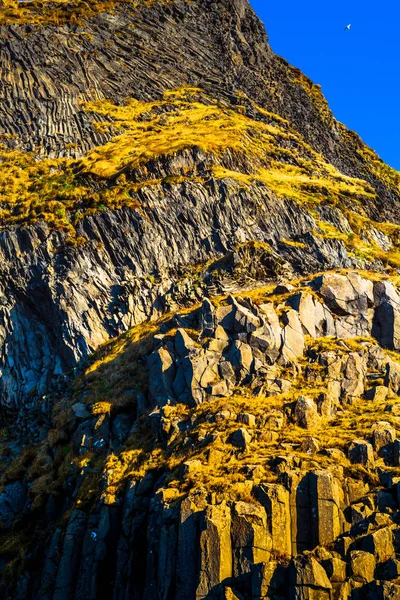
(359, 71)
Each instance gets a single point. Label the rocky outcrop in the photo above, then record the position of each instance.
(315, 518)
(242, 341)
(241, 442)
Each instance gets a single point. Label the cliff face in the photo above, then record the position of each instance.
(62, 302)
(168, 183)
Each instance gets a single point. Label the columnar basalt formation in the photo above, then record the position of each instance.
(199, 316)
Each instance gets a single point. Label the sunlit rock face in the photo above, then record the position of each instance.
(199, 316)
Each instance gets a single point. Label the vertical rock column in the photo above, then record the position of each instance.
(275, 498)
(325, 508)
(215, 550)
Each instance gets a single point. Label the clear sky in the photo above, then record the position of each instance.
(359, 70)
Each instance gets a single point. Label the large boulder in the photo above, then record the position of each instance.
(383, 436)
(362, 565)
(162, 371)
(314, 317)
(306, 414)
(308, 580)
(325, 507)
(293, 342)
(241, 438)
(361, 453)
(346, 294)
(380, 544)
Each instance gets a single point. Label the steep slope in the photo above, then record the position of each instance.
(199, 315)
(244, 449)
(253, 153)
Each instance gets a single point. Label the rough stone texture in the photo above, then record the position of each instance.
(361, 452)
(250, 540)
(306, 414)
(275, 499)
(362, 566)
(308, 580)
(215, 549)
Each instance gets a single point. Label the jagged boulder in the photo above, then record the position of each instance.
(314, 317)
(308, 580)
(241, 438)
(268, 580)
(362, 453)
(379, 544)
(325, 498)
(362, 565)
(383, 436)
(346, 294)
(163, 370)
(306, 414)
(293, 342)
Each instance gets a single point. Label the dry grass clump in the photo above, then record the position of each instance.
(365, 247)
(61, 191)
(58, 12)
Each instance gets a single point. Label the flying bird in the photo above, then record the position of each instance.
(347, 28)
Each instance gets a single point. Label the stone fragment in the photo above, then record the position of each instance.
(190, 468)
(335, 569)
(325, 507)
(308, 580)
(207, 318)
(241, 438)
(188, 550)
(220, 388)
(184, 344)
(346, 294)
(267, 580)
(162, 372)
(309, 445)
(283, 288)
(361, 453)
(362, 565)
(305, 413)
(293, 342)
(247, 419)
(380, 544)
(241, 358)
(274, 420)
(392, 376)
(387, 315)
(80, 410)
(353, 375)
(303, 303)
(383, 436)
(378, 393)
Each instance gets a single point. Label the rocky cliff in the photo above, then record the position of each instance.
(199, 316)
